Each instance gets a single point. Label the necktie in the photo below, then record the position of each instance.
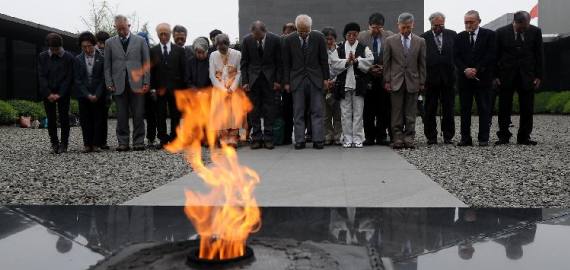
(165, 54)
(519, 39)
(472, 39)
(438, 42)
(375, 47)
(260, 48)
(304, 47)
(124, 42)
(406, 45)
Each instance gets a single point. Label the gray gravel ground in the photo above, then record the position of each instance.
(502, 176)
(30, 174)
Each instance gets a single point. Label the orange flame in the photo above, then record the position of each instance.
(225, 216)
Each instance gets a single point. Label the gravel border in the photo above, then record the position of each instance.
(502, 176)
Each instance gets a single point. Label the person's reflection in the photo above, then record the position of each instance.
(514, 243)
(352, 228)
(403, 232)
(63, 245)
(440, 231)
(470, 223)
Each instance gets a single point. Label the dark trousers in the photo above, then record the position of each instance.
(151, 116)
(130, 103)
(262, 97)
(287, 108)
(526, 104)
(91, 117)
(404, 114)
(166, 105)
(316, 105)
(377, 110)
(53, 110)
(105, 125)
(468, 91)
(436, 94)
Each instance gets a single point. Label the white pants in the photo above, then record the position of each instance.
(352, 107)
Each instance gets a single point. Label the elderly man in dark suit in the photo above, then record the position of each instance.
(127, 76)
(91, 92)
(376, 100)
(167, 74)
(474, 55)
(261, 78)
(404, 76)
(440, 81)
(179, 34)
(306, 74)
(520, 65)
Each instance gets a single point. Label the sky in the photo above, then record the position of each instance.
(199, 16)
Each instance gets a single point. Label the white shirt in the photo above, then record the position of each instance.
(168, 47)
(89, 62)
(474, 36)
(262, 42)
(409, 40)
(364, 64)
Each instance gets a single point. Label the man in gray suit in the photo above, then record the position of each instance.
(376, 100)
(306, 74)
(404, 76)
(127, 65)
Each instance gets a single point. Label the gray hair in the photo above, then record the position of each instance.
(222, 38)
(406, 17)
(304, 20)
(258, 25)
(435, 15)
(122, 18)
(200, 43)
(473, 13)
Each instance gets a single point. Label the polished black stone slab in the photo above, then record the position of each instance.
(80, 237)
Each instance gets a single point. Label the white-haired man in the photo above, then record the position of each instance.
(128, 78)
(306, 74)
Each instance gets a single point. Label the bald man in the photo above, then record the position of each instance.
(168, 69)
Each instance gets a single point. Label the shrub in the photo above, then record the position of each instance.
(7, 113)
(74, 107)
(113, 110)
(557, 102)
(541, 101)
(28, 108)
(566, 108)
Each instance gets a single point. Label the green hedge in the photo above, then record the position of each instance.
(544, 103)
(557, 102)
(8, 115)
(28, 108)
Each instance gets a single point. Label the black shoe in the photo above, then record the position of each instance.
(138, 147)
(87, 149)
(383, 142)
(448, 141)
(527, 142)
(318, 145)
(432, 142)
(55, 148)
(483, 144)
(62, 148)
(368, 142)
(269, 145)
(299, 146)
(287, 142)
(104, 147)
(123, 148)
(501, 142)
(465, 143)
(256, 145)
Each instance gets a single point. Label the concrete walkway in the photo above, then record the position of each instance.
(334, 177)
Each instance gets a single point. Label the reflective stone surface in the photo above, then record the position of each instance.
(84, 237)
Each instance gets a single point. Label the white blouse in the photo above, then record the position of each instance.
(364, 64)
(225, 75)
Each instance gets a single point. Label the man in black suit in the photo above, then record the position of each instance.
(168, 69)
(261, 79)
(519, 68)
(91, 92)
(55, 70)
(306, 74)
(440, 81)
(179, 34)
(286, 97)
(475, 61)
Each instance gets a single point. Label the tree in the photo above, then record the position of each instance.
(101, 18)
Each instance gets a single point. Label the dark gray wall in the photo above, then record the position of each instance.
(326, 13)
(553, 16)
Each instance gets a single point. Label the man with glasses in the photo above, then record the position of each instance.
(474, 55)
(440, 80)
(376, 100)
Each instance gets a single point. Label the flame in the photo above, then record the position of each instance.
(226, 215)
